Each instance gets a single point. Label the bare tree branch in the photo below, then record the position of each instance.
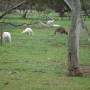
(15, 25)
(10, 9)
(68, 3)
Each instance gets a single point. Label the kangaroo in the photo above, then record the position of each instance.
(61, 30)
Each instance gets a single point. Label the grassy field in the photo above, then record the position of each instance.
(39, 62)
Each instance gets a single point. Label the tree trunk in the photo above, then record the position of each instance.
(1, 32)
(24, 16)
(73, 53)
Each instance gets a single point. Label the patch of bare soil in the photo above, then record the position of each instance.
(85, 70)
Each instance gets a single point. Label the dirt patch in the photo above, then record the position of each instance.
(85, 45)
(85, 70)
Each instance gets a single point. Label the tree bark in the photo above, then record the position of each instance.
(73, 53)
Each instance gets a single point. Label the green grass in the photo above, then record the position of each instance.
(39, 62)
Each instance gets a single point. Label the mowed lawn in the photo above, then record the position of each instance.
(39, 62)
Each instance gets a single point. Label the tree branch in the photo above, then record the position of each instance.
(68, 3)
(10, 9)
(15, 25)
